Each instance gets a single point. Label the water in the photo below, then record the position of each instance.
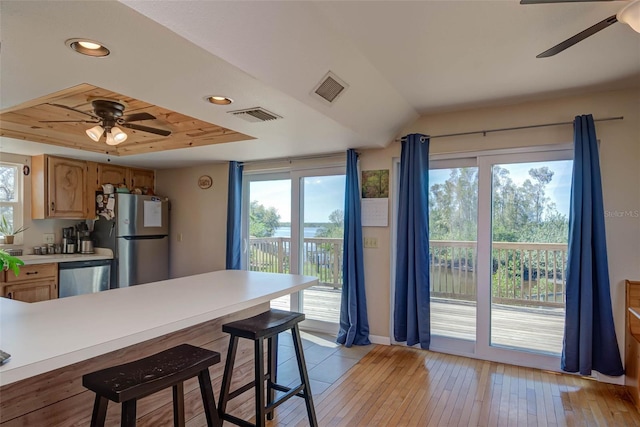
(286, 232)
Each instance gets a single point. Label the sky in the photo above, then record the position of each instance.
(322, 195)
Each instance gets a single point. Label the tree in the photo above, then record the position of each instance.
(263, 222)
(336, 226)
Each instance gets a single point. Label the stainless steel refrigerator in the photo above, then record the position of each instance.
(138, 235)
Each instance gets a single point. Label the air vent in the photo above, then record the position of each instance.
(257, 114)
(330, 88)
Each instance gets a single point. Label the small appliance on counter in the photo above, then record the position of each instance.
(68, 240)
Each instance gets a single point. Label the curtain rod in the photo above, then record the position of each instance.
(485, 132)
(293, 159)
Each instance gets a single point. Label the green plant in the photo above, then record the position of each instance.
(6, 229)
(10, 262)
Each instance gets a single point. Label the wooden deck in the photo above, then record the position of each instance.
(519, 327)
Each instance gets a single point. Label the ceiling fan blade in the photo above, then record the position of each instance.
(73, 109)
(558, 1)
(67, 121)
(136, 117)
(579, 37)
(133, 126)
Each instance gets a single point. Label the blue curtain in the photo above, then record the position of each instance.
(412, 311)
(590, 337)
(234, 217)
(354, 323)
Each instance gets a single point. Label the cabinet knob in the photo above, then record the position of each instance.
(53, 206)
(10, 295)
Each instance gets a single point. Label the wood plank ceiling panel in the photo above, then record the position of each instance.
(24, 122)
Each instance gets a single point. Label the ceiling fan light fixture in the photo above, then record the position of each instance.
(95, 132)
(219, 100)
(117, 136)
(88, 47)
(630, 15)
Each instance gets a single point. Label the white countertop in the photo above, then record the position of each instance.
(52, 334)
(100, 253)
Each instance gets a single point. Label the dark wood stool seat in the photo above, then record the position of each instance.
(170, 368)
(258, 328)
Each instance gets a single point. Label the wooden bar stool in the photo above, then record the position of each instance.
(266, 325)
(170, 368)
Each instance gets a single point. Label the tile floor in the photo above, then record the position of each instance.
(326, 360)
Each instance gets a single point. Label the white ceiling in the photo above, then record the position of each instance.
(400, 59)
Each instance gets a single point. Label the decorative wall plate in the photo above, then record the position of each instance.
(205, 182)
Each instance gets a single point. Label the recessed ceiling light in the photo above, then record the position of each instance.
(219, 100)
(88, 47)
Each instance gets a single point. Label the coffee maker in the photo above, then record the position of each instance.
(68, 240)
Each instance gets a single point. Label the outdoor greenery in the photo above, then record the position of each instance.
(521, 213)
(263, 222)
(335, 228)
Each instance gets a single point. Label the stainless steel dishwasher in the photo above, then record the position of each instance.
(84, 277)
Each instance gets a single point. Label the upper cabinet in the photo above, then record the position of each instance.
(66, 188)
(112, 174)
(58, 188)
(141, 178)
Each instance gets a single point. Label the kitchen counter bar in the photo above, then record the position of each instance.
(45, 336)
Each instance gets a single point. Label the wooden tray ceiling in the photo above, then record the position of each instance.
(23, 122)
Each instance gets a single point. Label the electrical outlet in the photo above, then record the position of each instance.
(371, 242)
(48, 238)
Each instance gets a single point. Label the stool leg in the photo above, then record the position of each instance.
(178, 405)
(304, 377)
(272, 373)
(208, 401)
(226, 377)
(99, 414)
(128, 418)
(259, 386)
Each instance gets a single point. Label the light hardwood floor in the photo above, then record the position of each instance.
(400, 386)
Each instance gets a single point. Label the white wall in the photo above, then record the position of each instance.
(620, 161)
(36, 227)
(200, 216)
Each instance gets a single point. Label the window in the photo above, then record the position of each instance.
(11, 194)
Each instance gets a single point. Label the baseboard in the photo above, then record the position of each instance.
(376, 339)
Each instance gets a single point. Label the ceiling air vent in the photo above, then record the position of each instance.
(330, 88)
(257, 114)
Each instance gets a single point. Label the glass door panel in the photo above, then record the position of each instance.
(321, 248)
(269, 230)
(529, 232)
(453, 213)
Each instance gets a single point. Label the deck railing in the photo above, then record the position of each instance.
(322, 257)
(522, 273)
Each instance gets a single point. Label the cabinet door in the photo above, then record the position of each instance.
(111, 174)
(66, 187)
(32, 292)
(141, 178)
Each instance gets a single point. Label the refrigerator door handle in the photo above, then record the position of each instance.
(244, 246)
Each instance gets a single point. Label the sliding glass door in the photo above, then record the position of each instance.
(294, 224)
(498, 247)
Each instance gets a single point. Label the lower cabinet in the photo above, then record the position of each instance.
(38, 282)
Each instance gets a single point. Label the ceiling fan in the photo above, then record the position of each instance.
(107, 114)
(630, 15)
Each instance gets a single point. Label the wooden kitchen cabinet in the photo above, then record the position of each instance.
(140, 178)
(35, 283)
(112, 174)
(58, 188)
